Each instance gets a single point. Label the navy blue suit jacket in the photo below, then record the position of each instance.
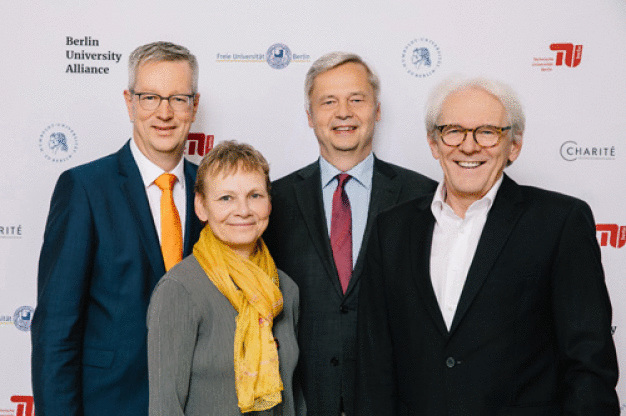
(531, 335)
(99, 262)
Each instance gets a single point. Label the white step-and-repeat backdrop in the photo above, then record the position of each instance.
(63, 71)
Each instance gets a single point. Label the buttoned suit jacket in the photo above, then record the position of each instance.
(298, 239)
(532, 331)
(100, 260)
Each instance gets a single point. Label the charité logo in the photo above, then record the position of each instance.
(571, 151)
(565, 55)
(611, 235)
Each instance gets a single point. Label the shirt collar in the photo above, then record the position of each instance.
(484, 204)
(150, 172)
(362, 172)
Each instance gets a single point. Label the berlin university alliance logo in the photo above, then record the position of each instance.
(571, 151)
(421, 57)
(85, 57)
(21, 318)
(565, 54)
(199, 144)
(58, 142)
(277, 56)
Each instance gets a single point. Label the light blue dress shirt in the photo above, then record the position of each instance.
(359, 190)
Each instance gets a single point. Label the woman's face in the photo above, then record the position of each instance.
(236, 207)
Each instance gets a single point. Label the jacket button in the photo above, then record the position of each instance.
(343, 309)
(334, 362)
(450, 362)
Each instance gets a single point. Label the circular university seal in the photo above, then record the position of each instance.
(278, 56)
(22, 318)
(421, 57)
(58, 142)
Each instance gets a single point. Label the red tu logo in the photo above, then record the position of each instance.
(25, 405)
(612, 234)
(199, 144)
(573, 53)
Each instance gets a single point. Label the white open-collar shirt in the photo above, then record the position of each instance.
(453, 247)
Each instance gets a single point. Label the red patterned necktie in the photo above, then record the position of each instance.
(171, 230)
(341, 231)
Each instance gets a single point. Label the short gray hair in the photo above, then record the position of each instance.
(331, 61)
(159, 52)
(503, 92)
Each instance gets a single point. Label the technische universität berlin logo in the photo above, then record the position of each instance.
(421, 57)
(22, 318)
(58, 142)
(278, 56)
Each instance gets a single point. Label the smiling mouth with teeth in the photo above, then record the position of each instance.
(469, 164)
(344, 128)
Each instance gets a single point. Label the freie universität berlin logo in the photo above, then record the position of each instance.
(278, 56)
(23, 317)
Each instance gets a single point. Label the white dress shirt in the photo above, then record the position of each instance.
(359, 190)
(149, 173)
(454, 244)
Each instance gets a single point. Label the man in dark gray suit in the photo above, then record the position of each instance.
(321, 218)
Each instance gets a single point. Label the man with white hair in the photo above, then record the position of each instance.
(488, 297)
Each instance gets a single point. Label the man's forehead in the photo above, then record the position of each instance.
(472, 102)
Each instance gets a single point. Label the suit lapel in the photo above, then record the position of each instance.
(501, 220)
(384, 194)
(193, 226)
(309, 196)
(135, 194)
(421, 237)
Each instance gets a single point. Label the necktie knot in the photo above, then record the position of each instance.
(166, 181)
(343, 178)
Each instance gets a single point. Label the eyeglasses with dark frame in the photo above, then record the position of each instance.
(485, 136)
(150, 101)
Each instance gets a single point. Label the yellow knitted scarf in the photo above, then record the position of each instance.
(251, 286)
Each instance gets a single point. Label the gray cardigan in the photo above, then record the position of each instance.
(191, 328)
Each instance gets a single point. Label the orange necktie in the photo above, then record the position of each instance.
(171, 230)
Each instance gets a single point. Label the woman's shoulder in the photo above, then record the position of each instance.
(287, 286)
(187, 274)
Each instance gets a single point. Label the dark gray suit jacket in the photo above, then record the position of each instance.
(532, 331)
(298, 239)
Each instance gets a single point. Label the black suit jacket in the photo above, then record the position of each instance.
(99, 262)
(532, 331)
(298, 239)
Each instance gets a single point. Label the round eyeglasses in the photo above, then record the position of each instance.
(485, 136)
(150, 101)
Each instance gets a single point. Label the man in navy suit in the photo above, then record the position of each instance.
(488, 297)
(101, 255)
(342, 108)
